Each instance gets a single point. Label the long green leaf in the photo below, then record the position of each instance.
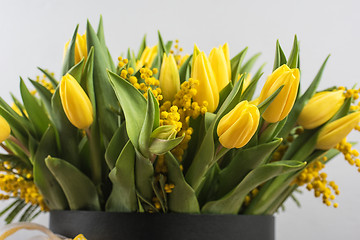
(107, 104)
(123, 196)
(231, 203)
(182, 199)
(133, 104)
(115, 146)
(69, 59)
(236, 64)
(36, 112)
(79, 190)
(152, 116)
(280, 58)
(48, 186)
(242, 163)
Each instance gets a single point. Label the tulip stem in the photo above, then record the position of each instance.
(263, 127)
(95, 162)
(220, 152)
(17, 142)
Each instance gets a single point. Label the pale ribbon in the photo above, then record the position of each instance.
(11, 229)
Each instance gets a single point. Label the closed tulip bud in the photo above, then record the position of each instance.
(207, 89)
(80, 48)
(284, 101)
(320, 108)
(75, 102)
(147, 57)
(169, 78)
(4, 129)
(237, 127)
(220, 67)
(225, 49)
(337, 130)
(196, 52)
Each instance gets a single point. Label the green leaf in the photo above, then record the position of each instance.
(294, 55)
(272, 131)
(202, 161)
(152, 117)
(15, 211)
(142, 48)
(263, 105)
(115, 146)
(48, 186)
(246, 68)
(133, 104)
(250, 90)
(36, 112)
(79, 190)
(101, 36)
(68, 134)
(224, 93)
(161, 146)
(123, 196)
(301, 102)
(231, 203)
(87, 80)
(44, 93)
(69, 59)
(26, 215)
(280, 58)
(144, 173)
(242, 163)
(53, 81)
(184, 71)
(107, 104)
(182, 199)
(76, 71)
(236, 64)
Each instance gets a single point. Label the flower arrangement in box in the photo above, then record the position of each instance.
(163, 132)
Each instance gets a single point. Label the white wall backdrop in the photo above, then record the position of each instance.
(33, 33)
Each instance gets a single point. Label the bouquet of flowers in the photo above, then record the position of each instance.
(164, 131)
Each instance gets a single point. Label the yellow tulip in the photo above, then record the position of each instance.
(225, 49)
(147, 57)
(75, 102)
(169, 78)
(220, 67)
(196, 52)
(80, 48)
(284, 101)
(4, 129)
(320, 108)
(237, 127)
(337, 130)
(207, 89)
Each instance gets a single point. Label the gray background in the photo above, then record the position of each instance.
(33, 34)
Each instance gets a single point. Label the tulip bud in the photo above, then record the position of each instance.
(237, 127)
(337, 130)
(80, 48)
(75, 102)
(169, 78)
(196, 52)
(320, 108)
(225, 49)
(284, 101)
(165, 132)
(147, 57)
(207, 89)
(220, 67)
(4, 129)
